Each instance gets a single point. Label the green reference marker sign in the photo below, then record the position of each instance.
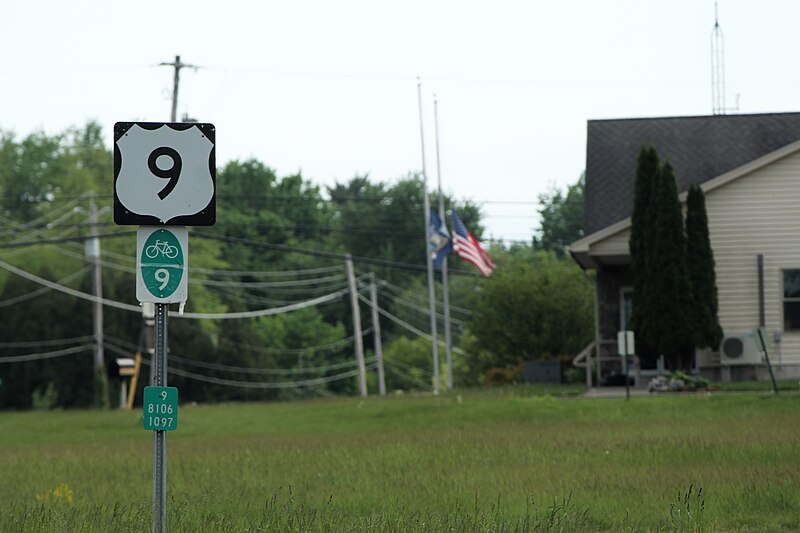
(160, 408)
(162, 263)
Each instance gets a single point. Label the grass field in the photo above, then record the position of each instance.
(508, 460)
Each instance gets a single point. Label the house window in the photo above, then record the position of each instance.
(791, 300)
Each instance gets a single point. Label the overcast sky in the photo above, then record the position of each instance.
(329, 87)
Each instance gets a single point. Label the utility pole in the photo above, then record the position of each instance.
(177, 65)
(359, 341)
(376, 331)
(92, 250)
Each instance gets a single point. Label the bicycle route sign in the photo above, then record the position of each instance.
(164, 174)
(162, 264)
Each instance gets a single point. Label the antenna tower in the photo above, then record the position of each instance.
(717, 67)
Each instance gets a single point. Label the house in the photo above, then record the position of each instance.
(749, 168)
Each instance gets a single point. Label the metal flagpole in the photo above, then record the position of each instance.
(445, 288)
(431, 288)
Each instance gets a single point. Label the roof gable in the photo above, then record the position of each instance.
(586, 249)
(698, 148)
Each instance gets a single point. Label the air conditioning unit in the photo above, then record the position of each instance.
(740, 349)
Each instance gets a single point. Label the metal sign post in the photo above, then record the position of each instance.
(164, 175)
(625, 348)
(160, 437)
(760, 335)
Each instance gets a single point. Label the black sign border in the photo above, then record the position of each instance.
(206, 217)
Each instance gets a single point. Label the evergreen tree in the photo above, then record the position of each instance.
(663, 316)
(642, 229)
(668, 293)
(708, 332)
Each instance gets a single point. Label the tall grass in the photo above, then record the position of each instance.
(457, 462)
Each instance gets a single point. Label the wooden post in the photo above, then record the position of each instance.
(376, 331)
(359, 341)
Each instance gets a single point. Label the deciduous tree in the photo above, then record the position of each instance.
(533, 307)
(561, 218)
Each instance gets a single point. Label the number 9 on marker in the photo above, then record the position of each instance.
(161, 264)
(160, 408)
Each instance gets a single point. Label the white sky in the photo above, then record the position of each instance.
(329, 87)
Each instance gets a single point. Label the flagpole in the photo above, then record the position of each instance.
(445, 288)
(431, 288)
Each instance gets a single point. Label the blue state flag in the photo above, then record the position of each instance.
(439, 241)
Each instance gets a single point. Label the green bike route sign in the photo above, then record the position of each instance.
(160, 408)
(162, 261)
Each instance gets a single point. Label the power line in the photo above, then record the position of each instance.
(68, 210)
(266, 312)
(232, 368)
(319, 253)
(262, 385)
(257, 273)
(406, 375)
(248, 298)
(399, 290)
(303, 229)
(406, 366)
(249, 242)
(111, 235)
(263, 371)
(116, 349)
(260, 349)
(271, 284)
(131, 346)
(236, 284)
(288, 291)
(425, 311)
(51, 342)
(38, 292)
(47, 355)
(406, 325)
(295, 351)
(137, 309)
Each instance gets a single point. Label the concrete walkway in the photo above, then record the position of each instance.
(614, 392)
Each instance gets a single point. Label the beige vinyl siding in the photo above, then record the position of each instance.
(758, 213)
(616, 244)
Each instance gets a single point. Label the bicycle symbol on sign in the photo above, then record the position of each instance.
(161, 248)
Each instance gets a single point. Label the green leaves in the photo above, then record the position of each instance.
(561, 218)
(533, 307)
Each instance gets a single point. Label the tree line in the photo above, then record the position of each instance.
(268, 248)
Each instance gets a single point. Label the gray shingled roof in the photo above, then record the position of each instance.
(698, 148)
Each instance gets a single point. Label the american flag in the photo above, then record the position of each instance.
(468, 248)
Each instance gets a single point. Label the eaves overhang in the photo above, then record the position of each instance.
(584, 251)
